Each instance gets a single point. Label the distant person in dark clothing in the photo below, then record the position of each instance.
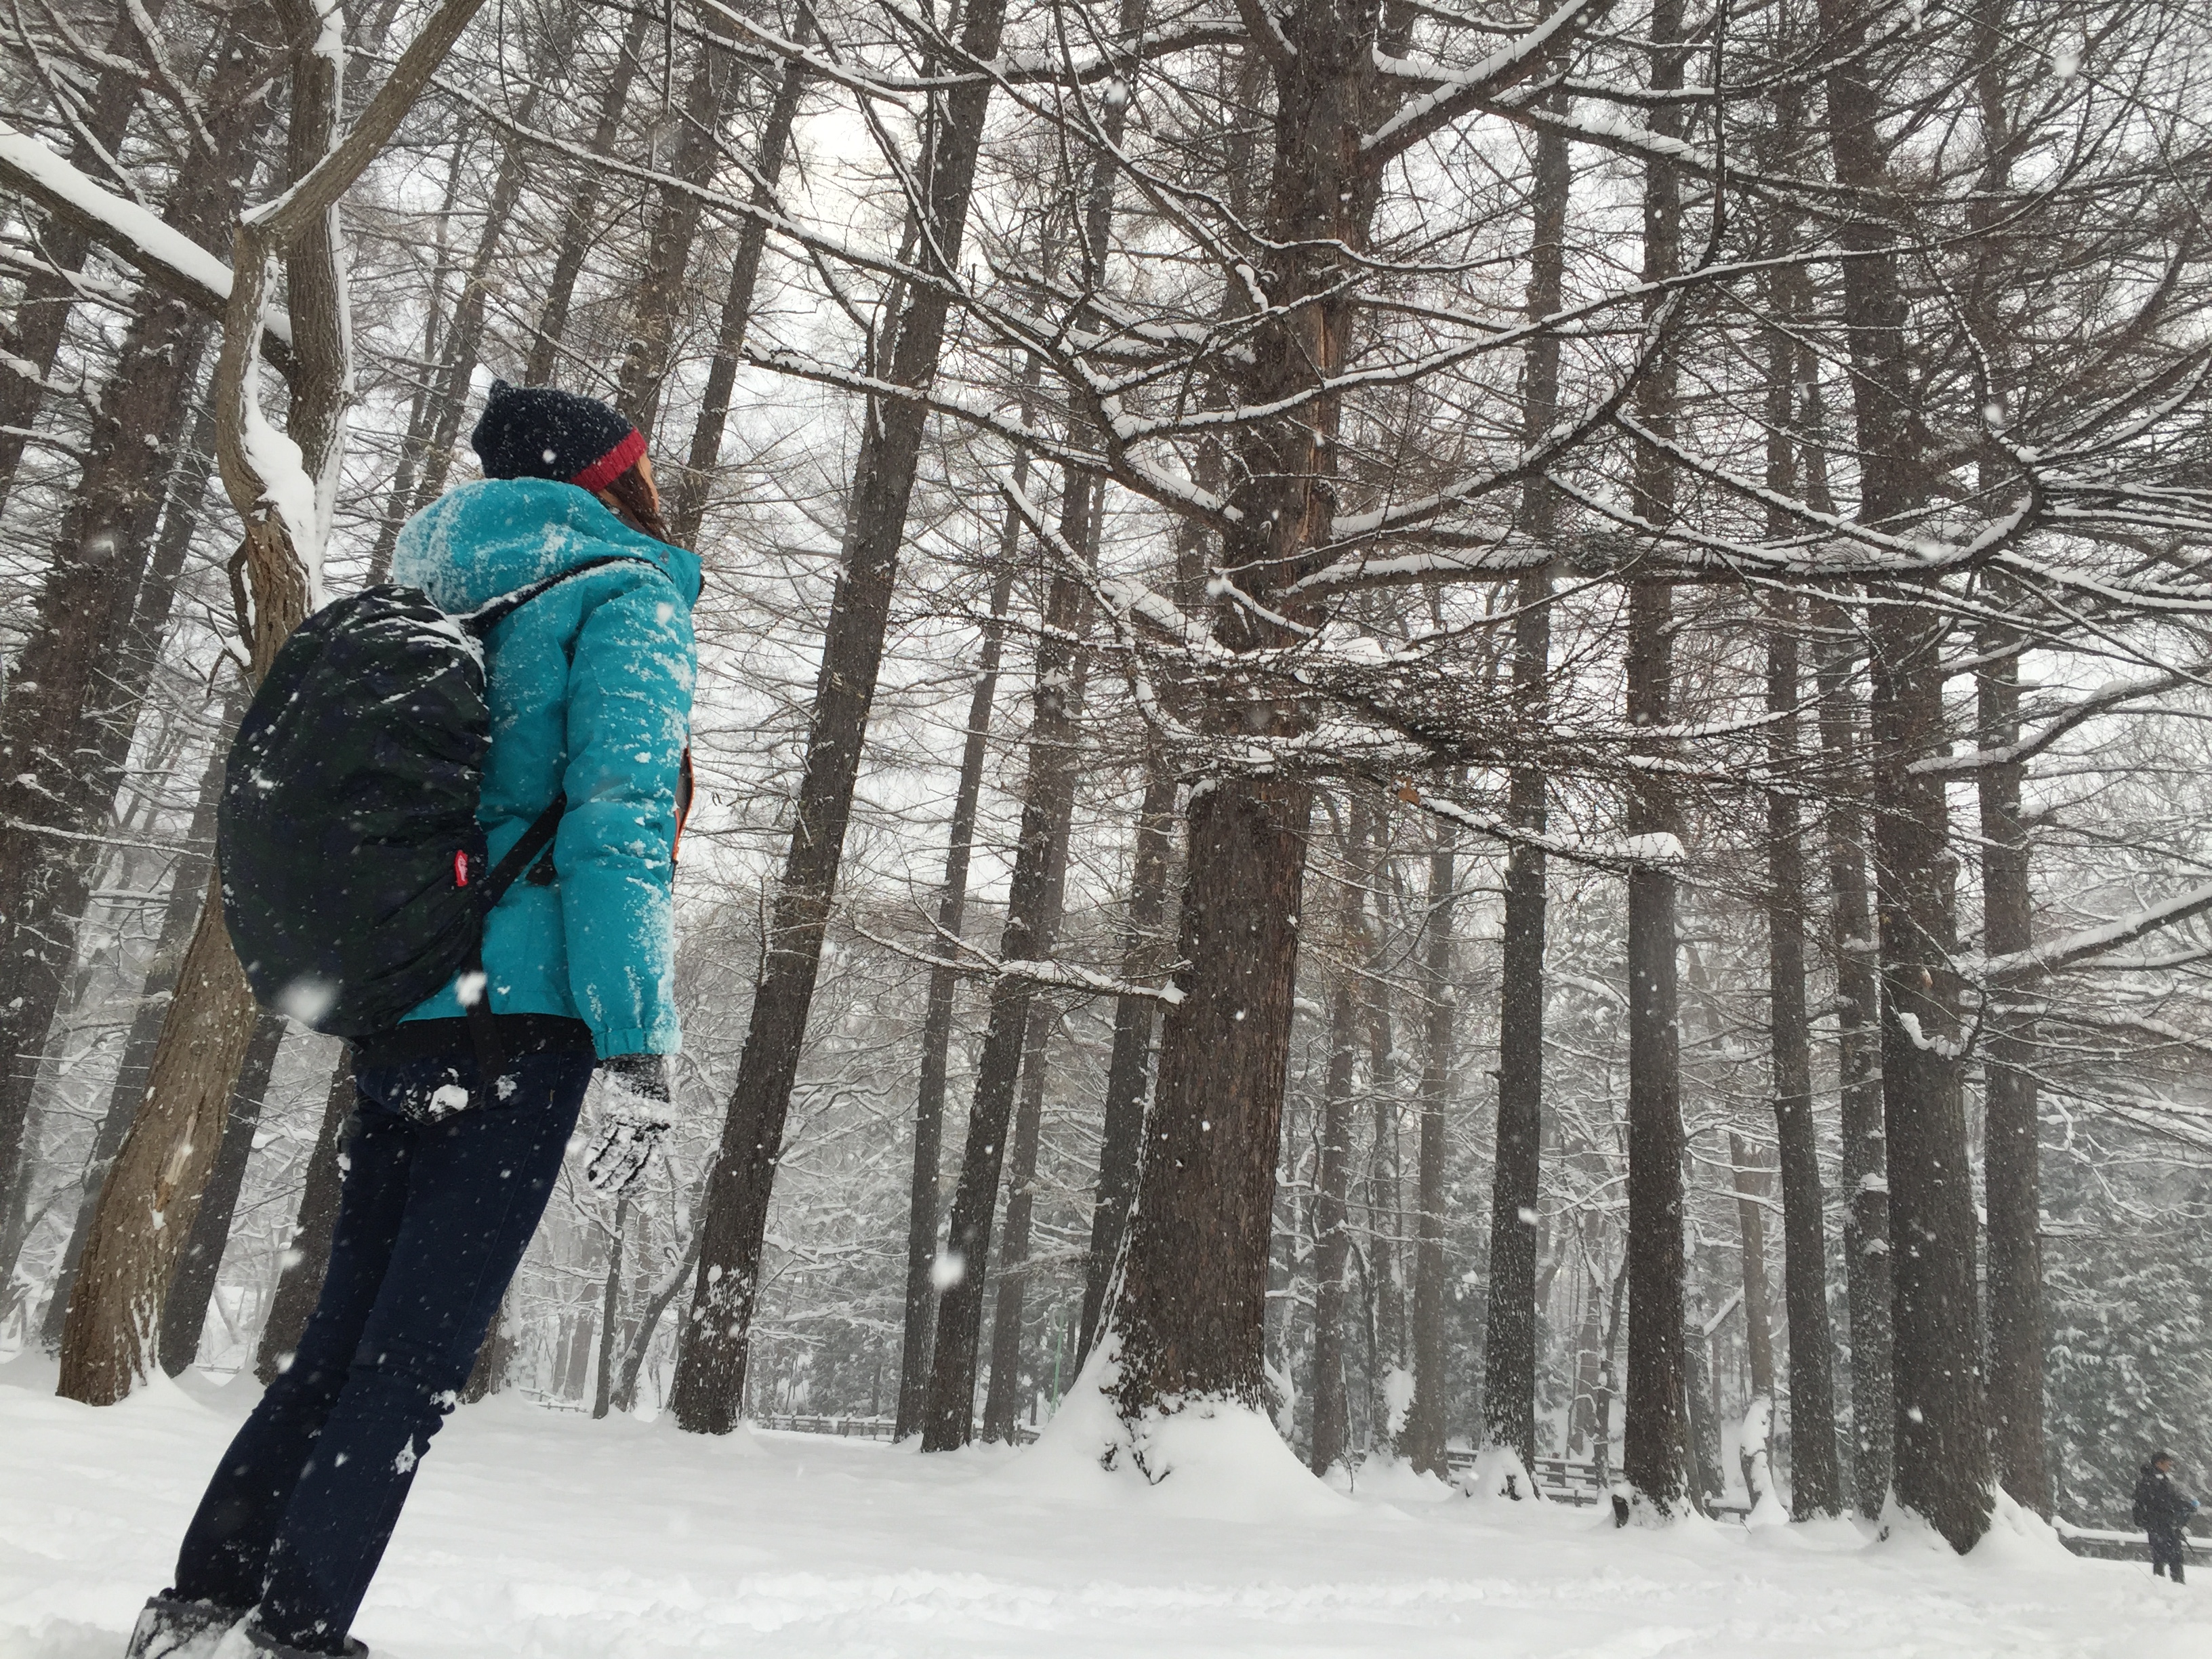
(2161, 1511)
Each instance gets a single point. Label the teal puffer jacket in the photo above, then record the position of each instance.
(590, 687)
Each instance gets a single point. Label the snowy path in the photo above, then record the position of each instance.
(534, 1533)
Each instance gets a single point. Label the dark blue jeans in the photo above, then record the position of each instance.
(432, 1224)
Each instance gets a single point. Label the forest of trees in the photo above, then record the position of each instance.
(1483, 724)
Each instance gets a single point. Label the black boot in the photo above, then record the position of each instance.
(262, 1645)
(171, 1627)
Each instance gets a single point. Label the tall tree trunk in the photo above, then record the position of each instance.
(307, 1256)
(54, 713)
(710, 1376)
(159, 1174)
(1002, 1399)
(1332, 1240)
(461, 346)
(1865, 1136)
(1509, 1354)
(1422, 1442)
(187, 878)
(648, 1319)
(659, 294)
(1701, 1406)
(46, 297)
(1601, 1409)
(690, 485)
(1121, 1142)
(579, 225)
(610, 1305)
(1817, 1478)
(185, 1311)
(1751, 1196)
(944, 979)
(425, 409)
(126, 677)
(1192, 1316)
(1942, 1471)
(1384, 1195)
(1652, 1455)
(2012, 1149)
(1032, 926)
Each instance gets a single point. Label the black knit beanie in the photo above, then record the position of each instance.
(540, 432)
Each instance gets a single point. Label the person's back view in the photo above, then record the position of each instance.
(589, 687)
(2163, 1513)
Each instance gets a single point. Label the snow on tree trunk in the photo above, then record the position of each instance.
(1752, 1448)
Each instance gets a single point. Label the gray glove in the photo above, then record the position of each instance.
(634, 1113)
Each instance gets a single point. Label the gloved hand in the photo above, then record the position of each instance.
(633, 1110)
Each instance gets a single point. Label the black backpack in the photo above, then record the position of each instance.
(354, 869)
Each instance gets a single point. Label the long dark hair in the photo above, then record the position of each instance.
(635, 496)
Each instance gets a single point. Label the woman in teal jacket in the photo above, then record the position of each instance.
(447, 1172)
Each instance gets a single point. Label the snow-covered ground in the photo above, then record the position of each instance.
(535, 1533)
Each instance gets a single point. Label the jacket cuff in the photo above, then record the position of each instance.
(637, 1041)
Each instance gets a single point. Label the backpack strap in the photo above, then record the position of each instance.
(484, 1029)
(480, 621)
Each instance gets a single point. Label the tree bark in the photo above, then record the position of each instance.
(1192, 1316)
(1700, 1414)
(185, 1311)
(610, 1304)
(2011, 1149)
(691, 483)
(648, 1320)
(1121, 1138)
(1332, 1241)
(659, 294)
(1032, 926)
(1652, 1453)
(1865, 1138)
(159, 1174)
(1509, 1354)
(1816, 1476)
(2010, 1135)
(1942, 1471)
(1601, 1409)
(45, 299)
(1751, 1194)
(132, 669)
(944, 979)
(187, 879)
(308, 1257)
(1422, 1443)
(1002, 1399)
(1385, 1200)
(710, 1376)
(54, 713)
(577, 225)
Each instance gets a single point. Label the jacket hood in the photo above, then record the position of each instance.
(484, 539)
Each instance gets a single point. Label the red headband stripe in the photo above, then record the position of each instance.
(612, 464)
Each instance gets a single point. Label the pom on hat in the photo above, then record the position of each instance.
(540, 432)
